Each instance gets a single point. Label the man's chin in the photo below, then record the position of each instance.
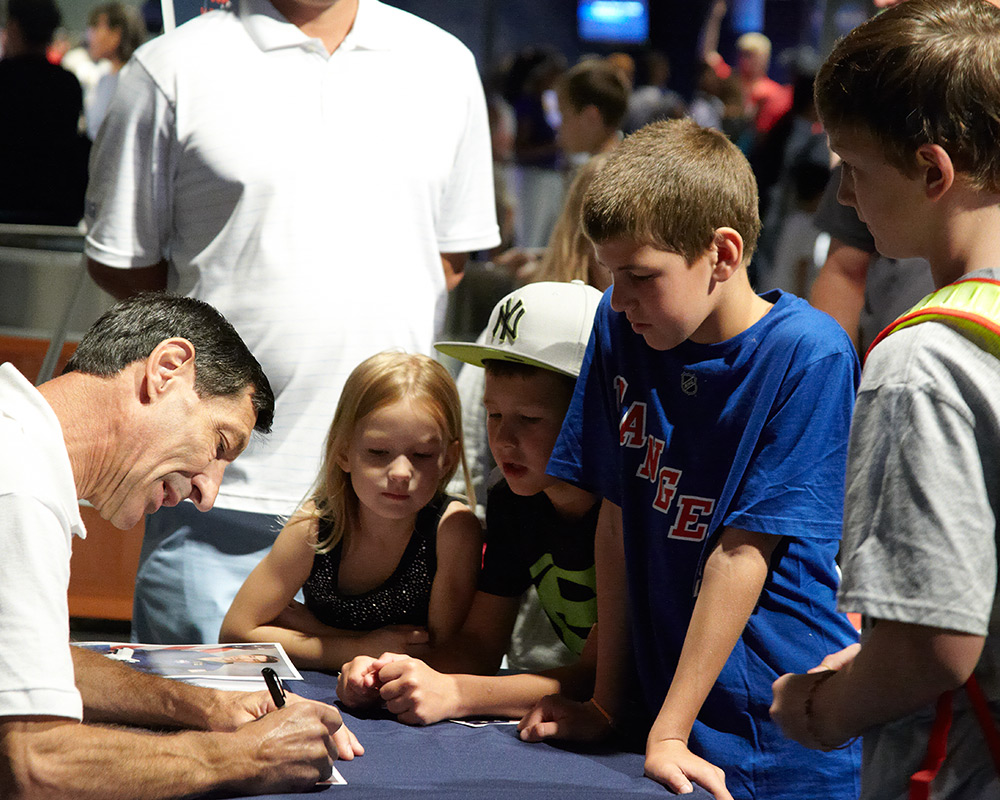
(127, 518)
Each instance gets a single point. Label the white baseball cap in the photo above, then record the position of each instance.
(543, 325)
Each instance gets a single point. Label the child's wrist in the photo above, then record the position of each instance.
(657, 737)
(603, 712)
(821, 739)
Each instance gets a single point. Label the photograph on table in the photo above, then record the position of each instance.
(229, 661)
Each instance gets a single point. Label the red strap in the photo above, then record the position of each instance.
(986, 721)
(920, 782)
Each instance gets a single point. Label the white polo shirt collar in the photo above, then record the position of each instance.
(372, 30)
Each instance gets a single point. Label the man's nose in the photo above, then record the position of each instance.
(205, 485)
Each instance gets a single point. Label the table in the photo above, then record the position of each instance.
(456, 762)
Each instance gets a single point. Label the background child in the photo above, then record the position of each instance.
(921, 166)
(593, 99)
(541, 530)
(379, 551)
(714, 423)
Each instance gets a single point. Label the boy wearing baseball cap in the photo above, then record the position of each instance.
(540, 529)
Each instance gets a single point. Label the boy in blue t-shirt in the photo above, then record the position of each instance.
(714, 424)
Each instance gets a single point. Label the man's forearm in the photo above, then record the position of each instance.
(453, 265)
(115, 693)
(70, 761)
(123, 283)
(839, 289)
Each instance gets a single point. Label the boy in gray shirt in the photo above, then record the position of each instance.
(922, 169)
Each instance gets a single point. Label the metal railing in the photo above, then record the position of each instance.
(56, 239)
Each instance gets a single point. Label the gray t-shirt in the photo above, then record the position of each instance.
(920, 532)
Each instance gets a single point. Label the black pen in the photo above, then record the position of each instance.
(274, 686)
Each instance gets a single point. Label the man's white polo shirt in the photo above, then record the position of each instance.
(39, 515)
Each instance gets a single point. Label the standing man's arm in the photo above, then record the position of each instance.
(465, 220)
(123, 283)
(839, 289)
(129, 208)
(454, 268)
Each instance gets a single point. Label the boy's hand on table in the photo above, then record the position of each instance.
(556, 717)
(668, 761)
(415, 693)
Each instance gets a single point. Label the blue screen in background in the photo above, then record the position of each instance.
(613, 21)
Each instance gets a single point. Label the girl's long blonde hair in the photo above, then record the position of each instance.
(379, 381)
(570, 254)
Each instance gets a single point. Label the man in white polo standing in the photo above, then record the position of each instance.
(317, 170)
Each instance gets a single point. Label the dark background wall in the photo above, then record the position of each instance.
(493, 28)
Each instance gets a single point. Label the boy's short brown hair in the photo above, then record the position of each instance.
(562, 386)
(671, 185)
(923, 72)
(594, 82)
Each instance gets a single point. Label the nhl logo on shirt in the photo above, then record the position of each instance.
(689, 383)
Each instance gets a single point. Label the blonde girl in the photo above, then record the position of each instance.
(385, 559)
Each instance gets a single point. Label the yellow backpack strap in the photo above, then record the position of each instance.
(971, 307)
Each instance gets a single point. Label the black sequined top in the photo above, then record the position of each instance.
(403, 599)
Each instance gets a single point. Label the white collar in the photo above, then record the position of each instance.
(372, 28)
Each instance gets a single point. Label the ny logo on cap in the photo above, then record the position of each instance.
(508, 318)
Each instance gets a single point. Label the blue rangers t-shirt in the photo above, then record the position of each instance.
(748, 433)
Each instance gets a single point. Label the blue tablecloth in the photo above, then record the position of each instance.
(454, 761)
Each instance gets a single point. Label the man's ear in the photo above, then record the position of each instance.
(171, 363)
(728, 249)
(936, 170)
